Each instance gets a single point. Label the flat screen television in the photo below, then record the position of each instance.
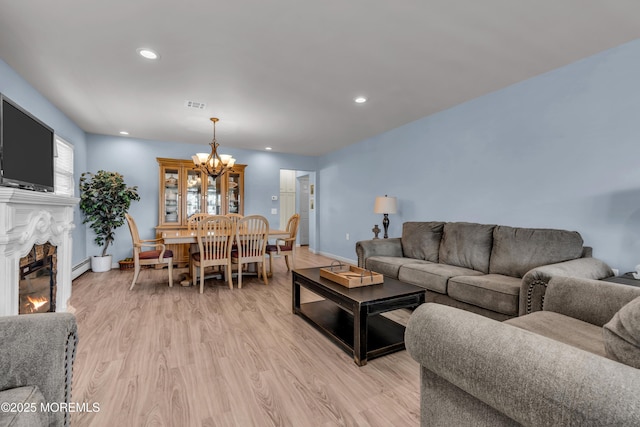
(26, 149)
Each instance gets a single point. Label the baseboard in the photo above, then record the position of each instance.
(339, 258)
(78, 269)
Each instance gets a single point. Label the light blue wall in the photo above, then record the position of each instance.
(136, 160)
(20, 91)
(560, 150)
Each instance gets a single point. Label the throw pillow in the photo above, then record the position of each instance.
(622, 335)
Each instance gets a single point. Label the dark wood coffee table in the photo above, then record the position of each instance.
(351, 317)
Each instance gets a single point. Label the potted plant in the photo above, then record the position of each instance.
(104, 201)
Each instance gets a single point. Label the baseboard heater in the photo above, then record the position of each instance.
(78, 269)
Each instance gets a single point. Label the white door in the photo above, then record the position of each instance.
(303, 230)
(287, 196)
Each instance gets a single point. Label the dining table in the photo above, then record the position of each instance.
(185, 236)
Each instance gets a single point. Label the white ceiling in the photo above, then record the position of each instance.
(283, 73)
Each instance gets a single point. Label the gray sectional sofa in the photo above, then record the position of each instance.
(575, 363)
(493, 270)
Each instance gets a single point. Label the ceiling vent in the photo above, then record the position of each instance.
(195, 104)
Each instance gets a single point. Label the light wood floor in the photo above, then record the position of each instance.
(160, 356)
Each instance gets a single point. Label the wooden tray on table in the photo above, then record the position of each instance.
(351, 276)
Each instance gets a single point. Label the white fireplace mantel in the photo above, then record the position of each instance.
(28, 218)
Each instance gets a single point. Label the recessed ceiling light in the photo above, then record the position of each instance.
(268, 148)
(360, 100)
(148, 53)
(124, 132)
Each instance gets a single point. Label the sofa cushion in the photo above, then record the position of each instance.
(467, 245)
(559, 327)
(27, 398)
(388, 265)
(622, 335)
(421, 240)
(518, 250)
(432, 276)
(491, 291)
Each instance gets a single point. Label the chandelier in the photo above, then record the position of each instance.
(213, 164)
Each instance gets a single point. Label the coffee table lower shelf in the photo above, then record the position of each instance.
(384, 336)
(352, 317)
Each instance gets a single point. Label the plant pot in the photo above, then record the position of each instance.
(100, 264)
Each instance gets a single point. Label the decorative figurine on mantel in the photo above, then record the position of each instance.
(376, 231)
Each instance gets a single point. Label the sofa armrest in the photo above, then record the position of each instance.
(532, 379)
(39, 349)
(588, 300)
(534, 283)
(378, 247)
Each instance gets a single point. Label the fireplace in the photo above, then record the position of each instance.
(37, 288)
(36, 225)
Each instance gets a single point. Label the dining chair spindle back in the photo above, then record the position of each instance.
(251, 238)
(215, 234)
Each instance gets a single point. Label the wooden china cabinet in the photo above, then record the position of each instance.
(185, 191)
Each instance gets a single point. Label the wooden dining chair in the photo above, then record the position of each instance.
(160, 255)
(215, 234)
(252, 233)
(285, 246)
(234, 217)
(192, 222)
(192, 228)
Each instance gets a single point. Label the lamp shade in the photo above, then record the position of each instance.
(385, 205)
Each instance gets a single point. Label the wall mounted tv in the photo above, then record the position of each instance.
(26, 149)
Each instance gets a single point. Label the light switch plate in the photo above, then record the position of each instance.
(274, 211)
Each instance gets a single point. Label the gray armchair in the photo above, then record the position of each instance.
(550, 367)
(36, 361)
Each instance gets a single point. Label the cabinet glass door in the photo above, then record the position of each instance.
(233, 192)
(213, 196)
(171, 206)
(194, 193)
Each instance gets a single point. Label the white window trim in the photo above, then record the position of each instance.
(64, 183)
